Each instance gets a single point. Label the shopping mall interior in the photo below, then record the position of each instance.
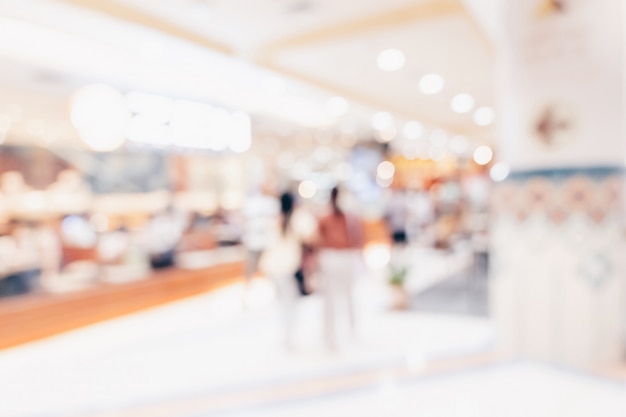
(312, 207)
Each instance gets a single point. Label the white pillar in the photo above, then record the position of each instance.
(558, 270)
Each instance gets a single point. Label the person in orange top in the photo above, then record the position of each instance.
(340, 243)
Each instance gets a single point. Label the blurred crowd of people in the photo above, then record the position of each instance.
(301, 246)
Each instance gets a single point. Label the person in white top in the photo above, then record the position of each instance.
(280, 261)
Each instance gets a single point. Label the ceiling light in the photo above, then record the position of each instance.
(462, 103)
(431, 84)
(337, 106)
(391, 60)
(484, 116)
(483, 155)
(382, 120)
(413, 130)
(499, 172)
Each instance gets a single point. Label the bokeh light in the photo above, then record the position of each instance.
(484, 116)
(307, 189)
(499, 172)
(462, 103)
(431, 84)
(483, 155)
(385, 170)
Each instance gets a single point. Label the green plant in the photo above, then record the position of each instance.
(398, 276)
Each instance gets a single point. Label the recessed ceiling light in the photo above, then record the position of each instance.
(391, 60)
(484, 116)
(337, 106)
(483, 155)
(431, 84)
(382, 120)
(462, 103)
(499, 172)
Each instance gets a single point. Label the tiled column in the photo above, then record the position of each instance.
(557, 234)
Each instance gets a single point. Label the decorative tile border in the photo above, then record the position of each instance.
(596, 192)
(559, 174)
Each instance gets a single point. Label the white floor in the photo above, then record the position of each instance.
(210, 344)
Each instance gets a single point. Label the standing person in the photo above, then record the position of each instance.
(340, 241)
(281, 260)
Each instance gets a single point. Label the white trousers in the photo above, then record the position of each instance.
(287, 290)
(337, 267)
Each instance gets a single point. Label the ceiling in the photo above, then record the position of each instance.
(278, 58)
